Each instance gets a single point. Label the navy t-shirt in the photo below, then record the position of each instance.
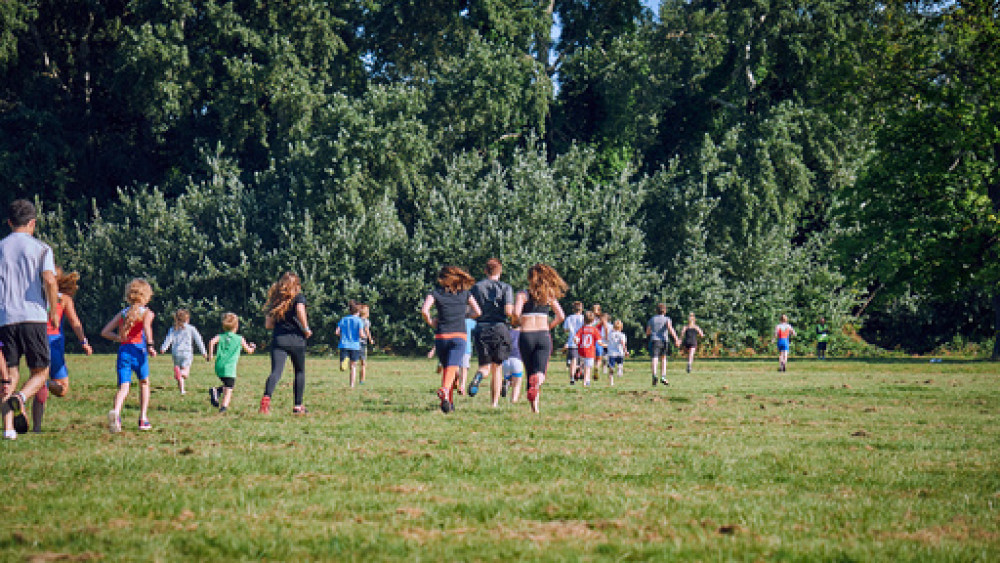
(492, 296)
(451, 309)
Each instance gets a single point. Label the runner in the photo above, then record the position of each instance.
(691, 334)
(285, 316)
(452, 300)
(491, 335)
(657, 330)
(531, 312)
(573, 323)
(783, 334)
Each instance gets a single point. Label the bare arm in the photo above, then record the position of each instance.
(51, 288)
(211, 348)
(475, 308)
(147, 326)
(670, 328)
(69, 311)
(519, 301)
(248, 347)
(110, 330)
(425, 311)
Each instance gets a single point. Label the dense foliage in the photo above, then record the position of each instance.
(737, 159)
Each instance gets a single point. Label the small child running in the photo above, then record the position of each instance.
(783, 334)
(587, 340)
(617, 351)
(366, 340)
(132, 327)
(351, 330)
(229, 345)
(180, 337)
(513, 368)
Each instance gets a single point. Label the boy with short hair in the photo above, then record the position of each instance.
(587, 340)
(351, 330)
(571, 325)
(229, 345)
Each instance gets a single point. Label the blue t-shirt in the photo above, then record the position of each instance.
(469, 325)
(350, 332)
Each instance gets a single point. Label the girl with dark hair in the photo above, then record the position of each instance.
(285, 316)
(452, 300)
(531, 312)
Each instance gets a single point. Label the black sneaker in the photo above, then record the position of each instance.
(474, 386)
(213, 396)
(503, 387)
(664, 381)
(689, 369)
(20, 423)
(222, 410)
(654, 381)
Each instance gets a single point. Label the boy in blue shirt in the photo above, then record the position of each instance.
(351, 330)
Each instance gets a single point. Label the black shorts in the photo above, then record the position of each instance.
(821, 346)
(658, 348)
(30, 340)
(228, 382)
(492, 343)
(536, 347)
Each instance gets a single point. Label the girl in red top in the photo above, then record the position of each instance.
(133, 328)
(587, 340)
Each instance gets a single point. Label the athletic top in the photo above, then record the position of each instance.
(531, 308)
(228, 354)
(56, 329)
(783, 330)
(571, 325)
(515, 347)
(135, 334)
(492, 296)
(289, 323)
(658, 327)
(586, 341)
(617, 341)
(469, 325)
(690, 339)
(822, 334)
(451, 309)
(182, 340)
(368, 332)
(23, 258)
(350, 332)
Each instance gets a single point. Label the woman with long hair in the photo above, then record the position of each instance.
(453, 302)
(531, 312)
(285, 316)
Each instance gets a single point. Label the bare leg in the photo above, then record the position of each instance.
(143, 399)
(691, 352)
(496, 382)
(227, 395)
(364, 370)
(353, 373)
(38, 409)
(515, 394)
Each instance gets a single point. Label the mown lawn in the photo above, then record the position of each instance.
(837, 460)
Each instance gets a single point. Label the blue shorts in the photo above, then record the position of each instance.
(782, 344)
(614, 361)
(600, 351)
(450, 351)
(57, 354)
(132, 358)
(354, 355)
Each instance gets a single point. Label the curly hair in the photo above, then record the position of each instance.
(67, 281)
(281, 294)
(181, 317)
(454, 279)
(544, 284)
(138, 292)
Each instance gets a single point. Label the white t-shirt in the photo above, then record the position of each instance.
(23, 258)
(617, 341)
(571, 325)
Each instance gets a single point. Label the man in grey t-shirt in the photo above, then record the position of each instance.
(491, 336)
(657, 329)
(27, 289)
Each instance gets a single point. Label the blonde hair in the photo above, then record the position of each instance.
(784, 318)
(281, 294)
(618, 325)
(454, 279)
(544, 284)
(138, 292)
(67, 281)
(229, 322)
(180, 318)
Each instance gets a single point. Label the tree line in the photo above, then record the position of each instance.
(736, 159)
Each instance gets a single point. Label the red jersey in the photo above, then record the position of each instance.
(586, 341)
(53, 329)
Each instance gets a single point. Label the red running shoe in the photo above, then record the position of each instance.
(265, 405)
(533, 382)
(445, 403)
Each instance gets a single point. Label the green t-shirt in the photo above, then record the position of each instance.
(228, 354)
(822, 335)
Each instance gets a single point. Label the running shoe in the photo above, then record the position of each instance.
(144, 424)
(16, 403)
(664, 381)
(689, 369)
(265, 405)
(20, 423)
(301, 409)
(114, 422)
(474, 386)
(9, 435)
(345, 363)
(222, 410)
(446, 406)
(503, 387)
(533, 383)
(213, 396)
(654, 381)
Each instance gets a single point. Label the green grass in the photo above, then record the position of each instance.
(839, 461)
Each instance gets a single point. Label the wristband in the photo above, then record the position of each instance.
(84, 342)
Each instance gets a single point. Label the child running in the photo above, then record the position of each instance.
(229, 345)
(572, 324)
(783, 334)
(617, 351)
(179, 341)
(588, 339)
(351, 330)
(513, 369)
(58, 382)
(366, 339)
(132, 327)
(689, 340)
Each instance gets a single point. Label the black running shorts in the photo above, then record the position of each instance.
(26, 339)
(492, 343)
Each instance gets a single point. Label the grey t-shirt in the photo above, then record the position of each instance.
(182, 341)
(23, 258)
(492, 296)
(658, 327)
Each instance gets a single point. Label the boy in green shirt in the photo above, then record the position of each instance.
(229, 346)
(822, 337)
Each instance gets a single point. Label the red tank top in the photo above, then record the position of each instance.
(53, 329)
(134, 335)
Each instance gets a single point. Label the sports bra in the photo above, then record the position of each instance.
(531, 308)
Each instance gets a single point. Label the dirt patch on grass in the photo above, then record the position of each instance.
(958, 530)
(556, 530)
(53, 556)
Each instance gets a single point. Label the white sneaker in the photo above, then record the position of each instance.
(9, 435)
(114, 422)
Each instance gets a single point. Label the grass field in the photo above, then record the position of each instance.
(838, 460)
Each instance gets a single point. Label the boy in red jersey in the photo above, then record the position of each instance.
(587, 340)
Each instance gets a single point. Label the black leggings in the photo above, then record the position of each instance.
(535, 347)
(278, 356)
